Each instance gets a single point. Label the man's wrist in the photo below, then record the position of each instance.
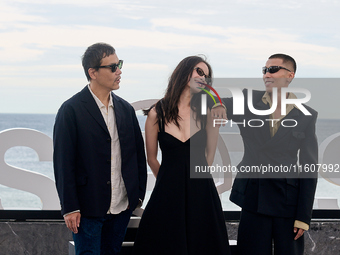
(71, 213)
(300, 224)
(140, 203)
(219, 104)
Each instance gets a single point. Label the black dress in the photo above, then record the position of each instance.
(183, 215)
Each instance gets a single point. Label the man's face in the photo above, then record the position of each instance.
(104, 77)
(281, 78)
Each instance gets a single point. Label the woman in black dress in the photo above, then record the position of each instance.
(184, 215)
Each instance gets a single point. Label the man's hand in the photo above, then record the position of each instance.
(72, 221)
(299, 232)
(218, 112)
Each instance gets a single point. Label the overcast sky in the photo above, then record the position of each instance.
(41, 43)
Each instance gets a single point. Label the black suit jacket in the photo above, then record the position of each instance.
(282, 194)
(82, 155)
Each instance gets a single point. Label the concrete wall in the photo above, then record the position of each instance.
(34, 238)
(51, 237)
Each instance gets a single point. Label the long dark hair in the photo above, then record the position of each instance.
(168, 105)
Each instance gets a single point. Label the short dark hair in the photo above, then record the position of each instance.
(285, 59)
(93, 56)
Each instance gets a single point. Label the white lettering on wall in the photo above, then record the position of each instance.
(25, 180)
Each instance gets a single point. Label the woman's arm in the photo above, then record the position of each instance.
(151, 141)
(212, 136)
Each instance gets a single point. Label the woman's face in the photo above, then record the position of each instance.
(198, 76)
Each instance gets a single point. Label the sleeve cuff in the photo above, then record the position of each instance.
(71, 213)
(140, 203)
(300, 224)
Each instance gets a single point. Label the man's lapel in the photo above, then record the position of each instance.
(92, 107)
(265, 132)
(282, 131)
(119, 114)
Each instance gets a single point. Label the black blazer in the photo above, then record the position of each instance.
(282, 194)
(82, 155)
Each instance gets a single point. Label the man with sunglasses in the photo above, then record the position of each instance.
(276, 207)
(99, 159)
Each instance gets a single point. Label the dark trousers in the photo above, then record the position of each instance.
(102, 236)
(257, 233)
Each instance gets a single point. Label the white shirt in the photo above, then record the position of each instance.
(119, 198)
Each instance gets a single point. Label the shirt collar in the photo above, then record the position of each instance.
(267, 100)
(99, 103)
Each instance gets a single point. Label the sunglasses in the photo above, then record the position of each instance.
(200, 72)
(113, 66)
(273, 69)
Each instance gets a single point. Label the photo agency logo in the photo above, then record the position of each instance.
(239, 105)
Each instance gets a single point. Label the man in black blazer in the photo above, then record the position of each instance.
(277, 206)
(99, 159)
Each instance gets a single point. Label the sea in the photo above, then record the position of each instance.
(27, 158)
